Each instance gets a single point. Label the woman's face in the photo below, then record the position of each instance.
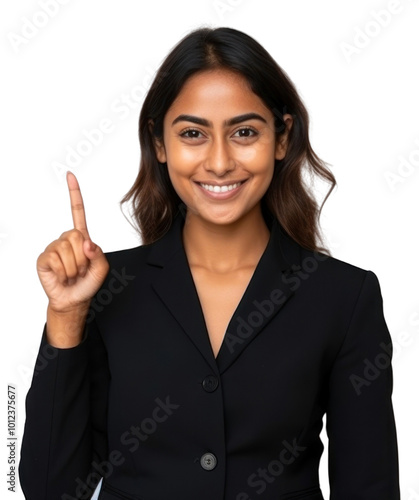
(219, 145)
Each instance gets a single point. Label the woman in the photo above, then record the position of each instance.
(199, 365)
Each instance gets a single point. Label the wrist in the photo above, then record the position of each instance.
(65, 328)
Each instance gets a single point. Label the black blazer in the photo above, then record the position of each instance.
(143, 403)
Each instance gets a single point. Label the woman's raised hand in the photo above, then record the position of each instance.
(71, 270)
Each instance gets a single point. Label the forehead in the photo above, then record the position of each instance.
(216, 92)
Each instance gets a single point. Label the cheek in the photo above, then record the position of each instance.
(179, 176)
(181, 160)
(259, 156)
(260, 161)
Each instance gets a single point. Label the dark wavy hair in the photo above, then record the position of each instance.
(288, 198)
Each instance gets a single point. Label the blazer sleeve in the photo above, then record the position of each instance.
(65, 428)
(360, 424)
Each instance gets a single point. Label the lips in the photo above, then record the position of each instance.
(221, 191)
(215, 188)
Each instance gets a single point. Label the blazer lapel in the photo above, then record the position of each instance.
(266, 293)
(175, 286)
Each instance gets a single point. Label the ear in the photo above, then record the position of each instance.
(158, 145)
(282, 141)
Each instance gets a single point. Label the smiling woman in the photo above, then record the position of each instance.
(229, 157)
(206, 374)
(216, 76)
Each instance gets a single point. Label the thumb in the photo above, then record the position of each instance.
(98, 262)
(92, 246)
(92, 251)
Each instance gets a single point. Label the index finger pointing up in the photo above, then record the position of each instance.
(77, 206)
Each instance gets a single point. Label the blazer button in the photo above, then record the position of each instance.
(210, 383)
(208, 461)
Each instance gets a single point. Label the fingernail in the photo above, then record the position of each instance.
(71, 281)
(82, 271)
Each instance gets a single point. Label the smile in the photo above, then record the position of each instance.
(220, 189)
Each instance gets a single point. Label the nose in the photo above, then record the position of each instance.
(219, 159)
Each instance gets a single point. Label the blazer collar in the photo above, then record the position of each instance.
(267, 292)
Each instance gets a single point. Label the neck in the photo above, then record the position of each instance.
(224, 248)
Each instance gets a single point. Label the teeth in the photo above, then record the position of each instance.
(219, 189)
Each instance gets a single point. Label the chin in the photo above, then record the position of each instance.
(221, 219)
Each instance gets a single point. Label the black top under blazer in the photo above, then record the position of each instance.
(143, 402)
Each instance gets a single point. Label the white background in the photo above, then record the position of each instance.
(74, 71)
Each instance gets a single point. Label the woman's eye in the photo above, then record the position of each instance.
(246, 133)
(191, 134)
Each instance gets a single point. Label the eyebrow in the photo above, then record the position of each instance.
(227, 123)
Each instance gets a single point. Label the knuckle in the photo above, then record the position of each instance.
(54, 258)
(77, 206)
(65, 245)
(76, 236)
(64, 234)
(49, 247)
